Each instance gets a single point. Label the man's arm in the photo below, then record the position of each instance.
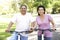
(9, 26)
(33, 24)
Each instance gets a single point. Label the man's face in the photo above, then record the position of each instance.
(23, 9)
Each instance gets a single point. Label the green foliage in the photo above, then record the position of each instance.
(31, 5)
(3, 13)
(42, 2)
(56, 8)
(14, 6)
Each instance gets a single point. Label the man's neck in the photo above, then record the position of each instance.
(23, 13)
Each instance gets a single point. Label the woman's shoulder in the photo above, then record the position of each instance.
(48, 15)
(37, 17)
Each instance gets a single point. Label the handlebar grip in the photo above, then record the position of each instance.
(11, 31)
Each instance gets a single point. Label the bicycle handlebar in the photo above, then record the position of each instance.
(34, 30)
(45, 29)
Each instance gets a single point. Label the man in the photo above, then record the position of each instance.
(22, 21)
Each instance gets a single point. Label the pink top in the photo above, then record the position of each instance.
(45, 24)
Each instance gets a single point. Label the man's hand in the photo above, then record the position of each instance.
(7, 30)
(31, 30)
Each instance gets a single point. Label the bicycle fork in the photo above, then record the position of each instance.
(18, 36)
(42, 36)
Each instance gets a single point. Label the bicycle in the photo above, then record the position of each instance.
(19, 33)
(44, 30)
(28, 32)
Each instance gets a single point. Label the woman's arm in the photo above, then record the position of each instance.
(53, 24)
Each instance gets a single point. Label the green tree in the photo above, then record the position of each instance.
(29, 3)
(56, 7)
(42, 2)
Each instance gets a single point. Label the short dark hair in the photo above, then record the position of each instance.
(23, 5)
(40, 7)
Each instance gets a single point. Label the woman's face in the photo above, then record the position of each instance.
(41, 11)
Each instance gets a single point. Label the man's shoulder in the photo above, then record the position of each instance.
(28, 13)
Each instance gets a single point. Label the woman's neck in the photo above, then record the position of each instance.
(42, 15)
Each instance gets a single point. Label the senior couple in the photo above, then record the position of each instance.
(23, 20)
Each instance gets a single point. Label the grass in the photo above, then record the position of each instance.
(3, 34)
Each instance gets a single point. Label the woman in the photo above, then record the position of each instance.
(43, 21)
